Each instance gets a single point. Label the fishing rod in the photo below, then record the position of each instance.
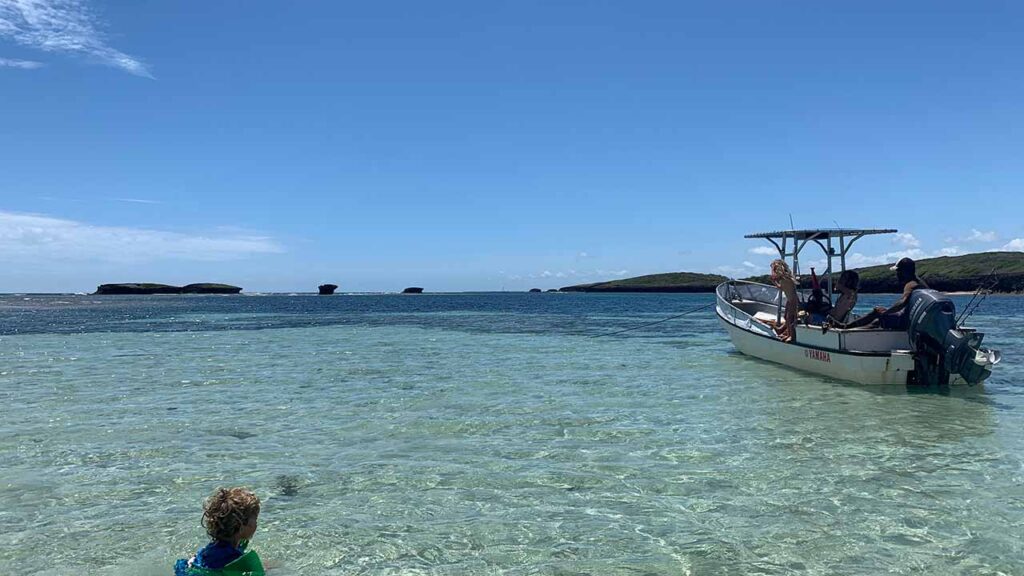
(697, 309)
(974, 303)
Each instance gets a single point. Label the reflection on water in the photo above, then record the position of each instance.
(459, 439)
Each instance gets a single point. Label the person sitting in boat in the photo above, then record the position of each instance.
(848, 284)
(786, 282)
(229, 517)
(840, 314)
(894, 317)
(818, 305)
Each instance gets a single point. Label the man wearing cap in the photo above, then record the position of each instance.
(895, 317)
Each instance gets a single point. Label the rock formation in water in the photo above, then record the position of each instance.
(327, 289)
(150, 288)
(413, 290)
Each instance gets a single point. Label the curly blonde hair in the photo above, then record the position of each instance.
(227, 510)
(780, 271)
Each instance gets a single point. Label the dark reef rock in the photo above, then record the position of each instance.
(535, 289)
(148, 288)
(207, 288)
(413, 290)
(288, 484)
(137, 289)
(327, 289)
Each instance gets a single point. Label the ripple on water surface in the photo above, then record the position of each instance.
(483, 442)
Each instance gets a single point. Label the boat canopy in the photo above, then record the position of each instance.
(834, 242)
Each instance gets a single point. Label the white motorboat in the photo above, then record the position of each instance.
(934, 349)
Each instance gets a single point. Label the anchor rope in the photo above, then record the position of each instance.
(697, 309)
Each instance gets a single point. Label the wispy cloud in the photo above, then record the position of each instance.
(621, 272)
(137, 200)
(860, 260)
(979, 236)
(63, 26)
(596, 274)
(857, 260)
(764, 251)
(33, 237)
(22, 64)
(1015, 245)
(907, 240)
(731, 271)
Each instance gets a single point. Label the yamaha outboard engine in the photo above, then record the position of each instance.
(940, 347)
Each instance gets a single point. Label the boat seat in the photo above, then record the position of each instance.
(765, 317)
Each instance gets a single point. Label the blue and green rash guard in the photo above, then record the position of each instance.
(221, 559)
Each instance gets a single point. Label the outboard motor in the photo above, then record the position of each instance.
(940, 347)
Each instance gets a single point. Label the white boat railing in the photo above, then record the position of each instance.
(763, 298)
(743, 291)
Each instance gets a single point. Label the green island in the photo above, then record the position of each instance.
(150, 288)
(668, 282)
(946, 273)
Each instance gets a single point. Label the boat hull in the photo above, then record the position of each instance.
(863, 368)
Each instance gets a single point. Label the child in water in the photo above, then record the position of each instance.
(229, 516)
(783, 278)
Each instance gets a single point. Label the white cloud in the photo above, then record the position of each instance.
(35, 238)
(597, 274)
(858, 260)
(67, 26)
(582, 255)
(764, 251)
(1015, 245)
(979, 236)
(22, 64)
(750, 264)
(137, 200)
(907, 240)
(731, 271)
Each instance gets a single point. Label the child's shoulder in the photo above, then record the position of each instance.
(218, 554)
(248, 565)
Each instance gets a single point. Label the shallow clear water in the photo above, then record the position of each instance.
(487, 434)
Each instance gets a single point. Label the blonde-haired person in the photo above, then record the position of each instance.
(229, 516)
(786, 282)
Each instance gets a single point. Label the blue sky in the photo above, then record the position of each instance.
(494, 145)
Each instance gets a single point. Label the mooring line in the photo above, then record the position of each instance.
(697, 309)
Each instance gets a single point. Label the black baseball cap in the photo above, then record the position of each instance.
(904, 264)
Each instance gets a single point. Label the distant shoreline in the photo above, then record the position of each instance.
(956, 275)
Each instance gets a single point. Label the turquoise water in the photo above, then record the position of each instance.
(487, 434)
